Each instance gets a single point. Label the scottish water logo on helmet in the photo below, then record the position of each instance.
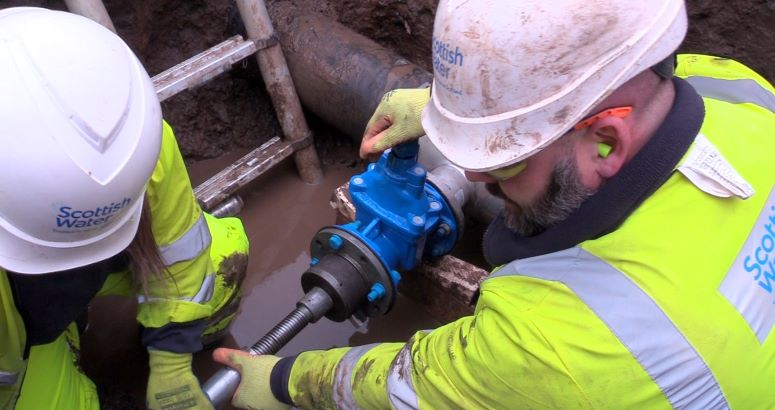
(81, 136)
(510, 77)
(70, 219)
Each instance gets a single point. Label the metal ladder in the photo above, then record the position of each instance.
(261, 42)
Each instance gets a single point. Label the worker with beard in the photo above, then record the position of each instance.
(634, 261)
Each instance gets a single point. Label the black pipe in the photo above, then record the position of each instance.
(340, 75)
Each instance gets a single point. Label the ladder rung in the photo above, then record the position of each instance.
(221, 185)
(202, 67)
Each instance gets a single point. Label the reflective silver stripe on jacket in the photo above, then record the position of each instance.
(205, 291)
(188, 246)
(733, 91)
(343, 391)
(399, 383)
(203, 295)
(635, 319)
(8, 378)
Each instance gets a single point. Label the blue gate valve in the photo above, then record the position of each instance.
(400, 217)
(354, 268)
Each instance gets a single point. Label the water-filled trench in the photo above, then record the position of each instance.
(281, 215)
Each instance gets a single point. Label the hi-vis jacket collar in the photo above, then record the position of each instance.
(609, 207)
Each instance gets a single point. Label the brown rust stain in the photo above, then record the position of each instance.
(400, 363)
(525, 18)
(504, 141)
(534, 137)
(75, 350)
(315, 392)
(472, 34)
(340, 383)
(463, 337)
(484, 83)
(560, 50)
(233, 269)
(594, 25)
(361, 375)
(561, 116)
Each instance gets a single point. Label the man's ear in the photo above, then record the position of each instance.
(612, 141)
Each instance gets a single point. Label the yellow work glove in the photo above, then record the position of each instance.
(396, 120)
(254, 391)
(172, 384)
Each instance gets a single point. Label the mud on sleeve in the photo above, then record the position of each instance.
(497, 358)
(181, 232)
(343, 378)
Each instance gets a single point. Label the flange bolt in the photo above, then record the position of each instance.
(376, 293)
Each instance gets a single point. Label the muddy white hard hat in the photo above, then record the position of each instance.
(510, 77)
(81, 132)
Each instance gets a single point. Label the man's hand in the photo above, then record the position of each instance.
(172, 385)
(396, 120)
(254, 391)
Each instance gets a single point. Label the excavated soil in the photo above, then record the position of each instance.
(231, 114)
(234, 112)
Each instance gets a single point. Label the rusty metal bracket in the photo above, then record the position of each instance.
(302, 143)
(266, 42)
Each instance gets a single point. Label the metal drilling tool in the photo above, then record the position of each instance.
(401, 216)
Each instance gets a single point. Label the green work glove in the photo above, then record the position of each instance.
(254, 392)
(172, 385)
(396, 119)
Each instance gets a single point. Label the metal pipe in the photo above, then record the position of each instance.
(341, 76)
(471, 197)
(274, 71)
(93, 9)
(231, 206)
(221, 386)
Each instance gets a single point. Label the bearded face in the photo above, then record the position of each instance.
(564, 194)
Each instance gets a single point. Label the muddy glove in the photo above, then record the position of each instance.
(396, 119)
(172, 385)
(254, 391)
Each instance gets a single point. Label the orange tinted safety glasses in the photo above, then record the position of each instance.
(502, 174)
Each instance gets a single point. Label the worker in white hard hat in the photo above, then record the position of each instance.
(635, 254)
(95, 200)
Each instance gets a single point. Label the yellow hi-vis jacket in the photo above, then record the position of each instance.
(674, 309)
(192, 245)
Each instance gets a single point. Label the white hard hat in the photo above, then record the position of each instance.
(81, 132)
(511, 76)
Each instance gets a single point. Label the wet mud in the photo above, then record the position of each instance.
(233, 111)
(281, 215)
(231, 114)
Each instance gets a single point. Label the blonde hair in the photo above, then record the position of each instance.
(145, 261)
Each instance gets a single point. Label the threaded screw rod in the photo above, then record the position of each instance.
(221, 386)
(283, 332)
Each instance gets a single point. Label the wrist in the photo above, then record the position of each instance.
(155, 355)
(279, 379)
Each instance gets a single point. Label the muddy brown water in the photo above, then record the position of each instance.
(281, 215)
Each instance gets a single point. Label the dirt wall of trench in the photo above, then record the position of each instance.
(233, 111)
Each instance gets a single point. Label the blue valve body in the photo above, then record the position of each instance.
(399, 215)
